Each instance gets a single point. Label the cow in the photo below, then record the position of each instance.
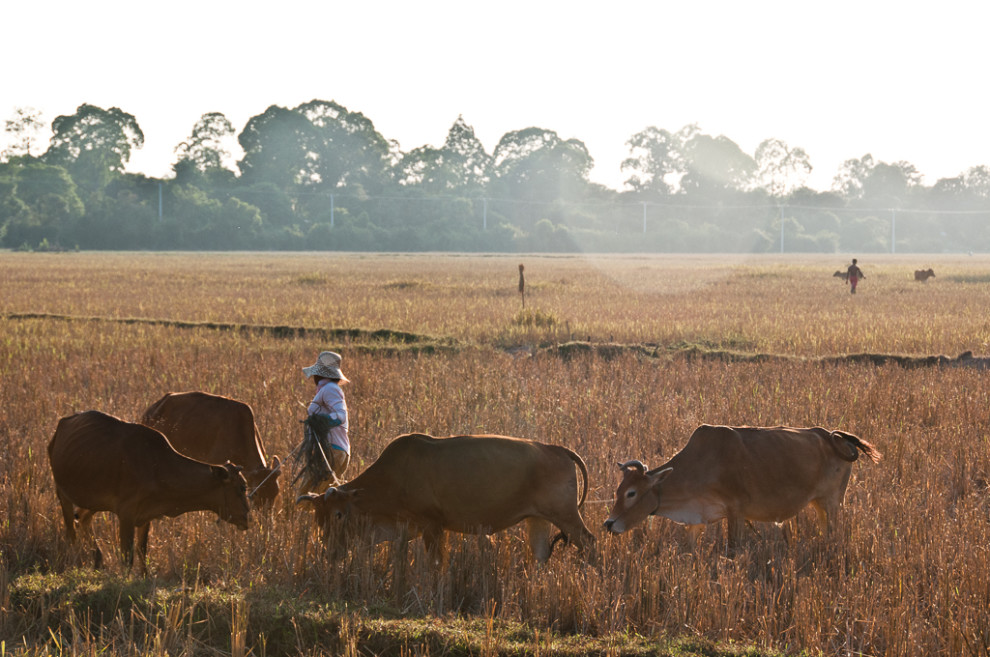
(741, 474)
(102, 463)
(923, 275)
(841, 274)
(422, 486)
(216, 429)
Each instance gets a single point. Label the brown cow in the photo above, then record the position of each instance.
(101, 463)
(741, 474)
(923, 275)
(216, 429)
(421, 485)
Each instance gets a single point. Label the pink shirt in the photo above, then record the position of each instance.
(329, 400)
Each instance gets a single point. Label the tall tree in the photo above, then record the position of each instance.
(535, 164)
(344, 148)
(24, 127)
(206, 152)
(469, 163)
(277, 148)
(460, 167)
(715, 164)
(878, 182)
(780, 169)
(94, 144)
(655, 157)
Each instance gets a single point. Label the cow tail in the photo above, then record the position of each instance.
(574, 456)
(584, 473)
(841, 440)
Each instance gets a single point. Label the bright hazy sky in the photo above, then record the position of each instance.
(899, 80)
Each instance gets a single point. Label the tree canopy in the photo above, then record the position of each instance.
(322, 176)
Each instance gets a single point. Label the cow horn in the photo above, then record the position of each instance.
(633, 465)
(309, 497)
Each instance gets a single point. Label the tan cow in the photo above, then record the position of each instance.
(421, 485)
(101, 463)
(216, 429)
(922, 275)
(741, 474)
(841, 274)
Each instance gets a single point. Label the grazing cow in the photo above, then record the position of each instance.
(924, 274)
(421, 485)
(216, 429)
(101, 463)
(841, 274)
(741, 474)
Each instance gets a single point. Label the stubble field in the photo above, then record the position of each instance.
(616, 358)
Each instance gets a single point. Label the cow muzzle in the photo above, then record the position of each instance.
(614, 526)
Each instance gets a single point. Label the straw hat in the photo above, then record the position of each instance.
(327, 366)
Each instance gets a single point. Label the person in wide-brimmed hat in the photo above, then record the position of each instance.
(331, 409)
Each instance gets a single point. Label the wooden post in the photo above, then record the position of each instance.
(522, 286)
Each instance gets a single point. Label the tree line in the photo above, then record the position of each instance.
(321, 177)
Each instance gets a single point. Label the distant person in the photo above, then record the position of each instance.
(853, 274)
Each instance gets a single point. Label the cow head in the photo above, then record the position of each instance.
(263, 482)
(233, 504)
(637, 497)
(331, 510)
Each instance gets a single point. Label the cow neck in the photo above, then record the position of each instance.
(188, 494)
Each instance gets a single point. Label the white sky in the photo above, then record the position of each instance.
(899, 80)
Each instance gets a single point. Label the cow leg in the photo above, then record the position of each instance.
(538, 532)
(68, 514)
(573, 527)
(86, 531)
(735, 527)
(126, 534)
(692, 532)
(435, 542)
(827, 509)
(142, 546)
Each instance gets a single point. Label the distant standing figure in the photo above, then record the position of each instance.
(329, 403)
(853, 274)
(522, 286)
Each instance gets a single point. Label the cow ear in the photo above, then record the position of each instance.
(333, 491)
(220, 472)
(275, 463)
(657, 477)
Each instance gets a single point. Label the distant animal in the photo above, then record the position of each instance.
(216, 429)
(101, 463)
(741, 474)
(844, 275)
(924, 274)
(422, 485)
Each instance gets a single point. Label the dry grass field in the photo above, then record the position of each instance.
(907, 572)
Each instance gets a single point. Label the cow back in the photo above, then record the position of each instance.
(770, 473)
(208, 428)
(103, 462)
(464, 482)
